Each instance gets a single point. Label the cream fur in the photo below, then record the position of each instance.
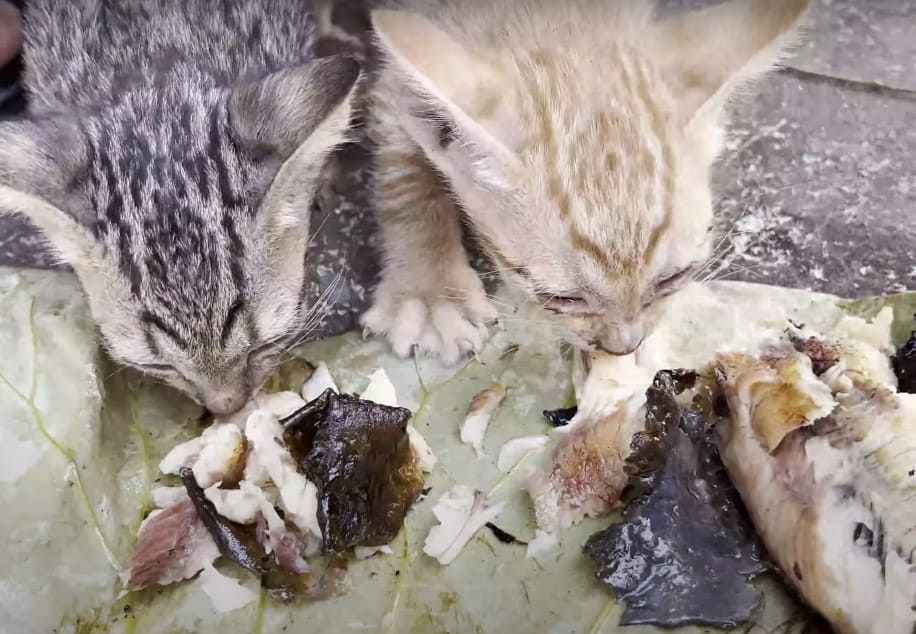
(577, 137)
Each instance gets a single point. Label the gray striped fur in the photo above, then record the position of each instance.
(171, 157)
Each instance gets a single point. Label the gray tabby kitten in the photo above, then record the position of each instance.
(171, 157)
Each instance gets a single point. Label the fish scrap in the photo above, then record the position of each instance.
(172, 545)
(833, 496)
(686, 551)
(338, 473)
(481, 411)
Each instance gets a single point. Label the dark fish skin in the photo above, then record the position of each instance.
(359, 456)
(560, 417)
(905, 366)
(504, 536)
(686, 551)
(236, 543)
(228, 537)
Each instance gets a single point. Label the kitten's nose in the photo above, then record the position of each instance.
(226, 403)
(621, 343)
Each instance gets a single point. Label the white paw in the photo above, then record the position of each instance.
(442, 327)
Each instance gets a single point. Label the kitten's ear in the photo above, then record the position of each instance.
(275, 115)
(38, 166)
(296, 117)
(709, 54)
(440, 70)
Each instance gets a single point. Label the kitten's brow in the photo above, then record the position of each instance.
(154, 321)
(231, 319)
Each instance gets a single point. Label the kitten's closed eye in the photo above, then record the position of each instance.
(266, 350)
(568, 304)
(259, 354)
(158, 368)
(676, 279)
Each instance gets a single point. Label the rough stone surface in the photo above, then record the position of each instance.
(867, 41)
(817, 190)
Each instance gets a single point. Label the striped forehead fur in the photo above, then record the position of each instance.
(194, 134)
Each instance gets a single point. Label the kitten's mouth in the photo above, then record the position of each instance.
(585, 355)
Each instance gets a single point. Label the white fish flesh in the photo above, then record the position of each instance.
(585, 476)
(481, 411)
(461, 512)
(826, 466)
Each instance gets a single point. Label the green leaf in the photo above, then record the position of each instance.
(904, 305)
(100, 431)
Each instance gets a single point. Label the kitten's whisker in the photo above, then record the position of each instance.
(456, 296)
(726, 277)
(117, 370)
(534, 322)
(497, 270)
(711, 267)
(719, 259)
(529, 319)
(513, 307)
(315, 313)
(314, 234)
(745, 269)
(730, 272)
(324, 299)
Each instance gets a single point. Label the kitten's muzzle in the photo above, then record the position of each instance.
(620, 341)
(225, 403)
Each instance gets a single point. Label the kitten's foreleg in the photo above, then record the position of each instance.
(429, 297)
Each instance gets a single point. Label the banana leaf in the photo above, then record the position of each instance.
(82, 438)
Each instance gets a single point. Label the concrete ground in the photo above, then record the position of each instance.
(817, 189)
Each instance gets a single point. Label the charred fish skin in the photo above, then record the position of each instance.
(227, 538)
(835, 498)
(358, 453)
(904, 362)
(234, 543)
(560, 417)
(686, 551)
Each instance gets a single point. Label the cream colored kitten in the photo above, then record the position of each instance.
(576, 137)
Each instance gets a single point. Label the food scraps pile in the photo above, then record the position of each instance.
(800, 457)
(796, 456)
(279, 484)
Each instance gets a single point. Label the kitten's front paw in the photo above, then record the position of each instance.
(444, 327)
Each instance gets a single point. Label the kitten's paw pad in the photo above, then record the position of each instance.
(441, 328)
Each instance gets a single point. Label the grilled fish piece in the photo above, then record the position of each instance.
(826, 466)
